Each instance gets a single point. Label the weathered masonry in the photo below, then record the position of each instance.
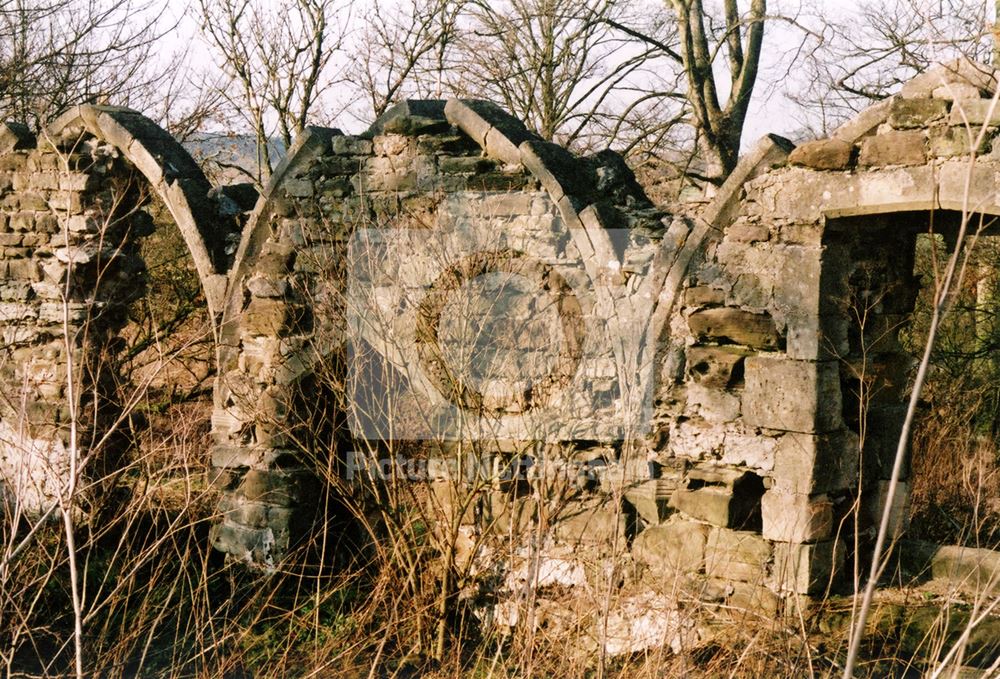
(703, 390)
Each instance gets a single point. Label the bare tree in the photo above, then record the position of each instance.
(276, 57)
(719, 127)
(56, 53)
(560, 65)
(606, 72)
(404, 49)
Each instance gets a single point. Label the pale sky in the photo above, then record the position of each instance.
(770, 112)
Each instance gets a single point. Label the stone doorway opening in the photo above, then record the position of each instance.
(881, 275)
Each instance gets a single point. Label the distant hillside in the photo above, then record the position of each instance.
(230, 158)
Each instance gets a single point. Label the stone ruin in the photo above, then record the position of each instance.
(703, 389)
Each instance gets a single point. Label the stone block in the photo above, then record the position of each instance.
(592, 521)
(955, 141)
(275, 259)
(893, 148)
(715, 406)
(914, 113)
(23, 269)
(14, 311)
(725, 324)
(15, 291)
(297, 187)
(44, 181)
(716, 367)
(816, 463)
(34, 240)
(447, 144)
(265, 286)
(957, 92)
(737, 555)
(62, 201)
(813, 338)
(745, 232)
(351, 146)
(675, 547)
(702, 296)
(794, 517)
(975, 112)
(228, 456)
(265, 316)
(961, 70)
(76, 181)
(864, 122)
(811, 292)
(791, 395)
(82, 224)
(465, 164)
(411, 117)
(754, 598)
(22, 221)
(57, 313)
(722, 497)
(281, 488)
(807, 569)
(46, 223)
(651, 498)
(823, 154)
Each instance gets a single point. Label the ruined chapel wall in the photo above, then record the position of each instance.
(432, 190)
(69, 270)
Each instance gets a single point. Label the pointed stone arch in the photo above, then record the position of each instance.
(173, 175)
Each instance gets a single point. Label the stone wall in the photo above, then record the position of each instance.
(71, 215)
(695, 368)
(358, 239)
(694, 396)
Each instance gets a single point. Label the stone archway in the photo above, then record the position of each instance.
(172, 174)
(71, 212)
